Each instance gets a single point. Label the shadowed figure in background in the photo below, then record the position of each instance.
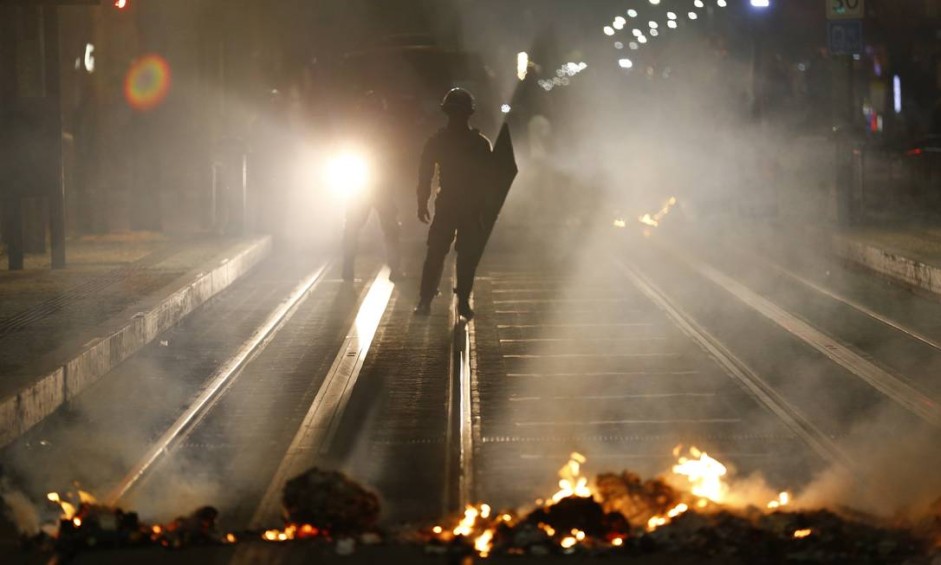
(377, 130)
(462, 157)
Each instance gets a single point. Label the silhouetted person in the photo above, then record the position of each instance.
(462, 155)
(379, 135)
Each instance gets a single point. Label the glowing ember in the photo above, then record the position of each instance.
(86, 497)
(568, 541)
(704, 474)
(68, 509)
(291, 532)
(803, 533)
(617, 542)
(653, 220)
(657, 521)
(483, 543)
(783, 499)
(571, 481)
(466, 525)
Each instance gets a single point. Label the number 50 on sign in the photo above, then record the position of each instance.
(845, 9)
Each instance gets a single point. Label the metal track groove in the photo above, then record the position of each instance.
(316, 432)
(753, 384)
(218, 383)
(885, 382)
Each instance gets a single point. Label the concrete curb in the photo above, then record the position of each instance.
(47, 392)
(906, 270)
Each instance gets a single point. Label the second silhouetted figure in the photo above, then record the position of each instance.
(462, 156)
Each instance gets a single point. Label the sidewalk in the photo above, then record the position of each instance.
(62, 330)
(908, 254)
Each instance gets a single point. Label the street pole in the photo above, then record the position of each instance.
(11, 219)
(56, 197)
(756, 69)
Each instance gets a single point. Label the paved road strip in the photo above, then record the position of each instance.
(217, 384)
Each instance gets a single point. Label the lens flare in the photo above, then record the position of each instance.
(147, 82)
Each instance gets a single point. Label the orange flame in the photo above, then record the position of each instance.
(783, 499)
(68, 509)
(291, 532)
(704, 474)
(657, 521)
(483, 544)
(653, 220)
(571, 480)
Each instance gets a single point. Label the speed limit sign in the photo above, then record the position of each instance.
(845, 9)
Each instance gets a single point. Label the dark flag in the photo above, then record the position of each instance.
(503, 172)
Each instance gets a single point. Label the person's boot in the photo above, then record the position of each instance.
(423, 308)
(464, 308)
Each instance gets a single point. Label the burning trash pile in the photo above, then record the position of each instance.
(695, 510)
(622, 514)
(322, 505)
(650, 220)
(84, 523)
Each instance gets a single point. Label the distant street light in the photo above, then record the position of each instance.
(655, 2)
(89, 58)
(897, 94)
(625, 63)
(760, 3)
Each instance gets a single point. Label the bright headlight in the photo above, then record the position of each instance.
(346, 173)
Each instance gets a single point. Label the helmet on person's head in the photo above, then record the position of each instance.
(458, 102)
